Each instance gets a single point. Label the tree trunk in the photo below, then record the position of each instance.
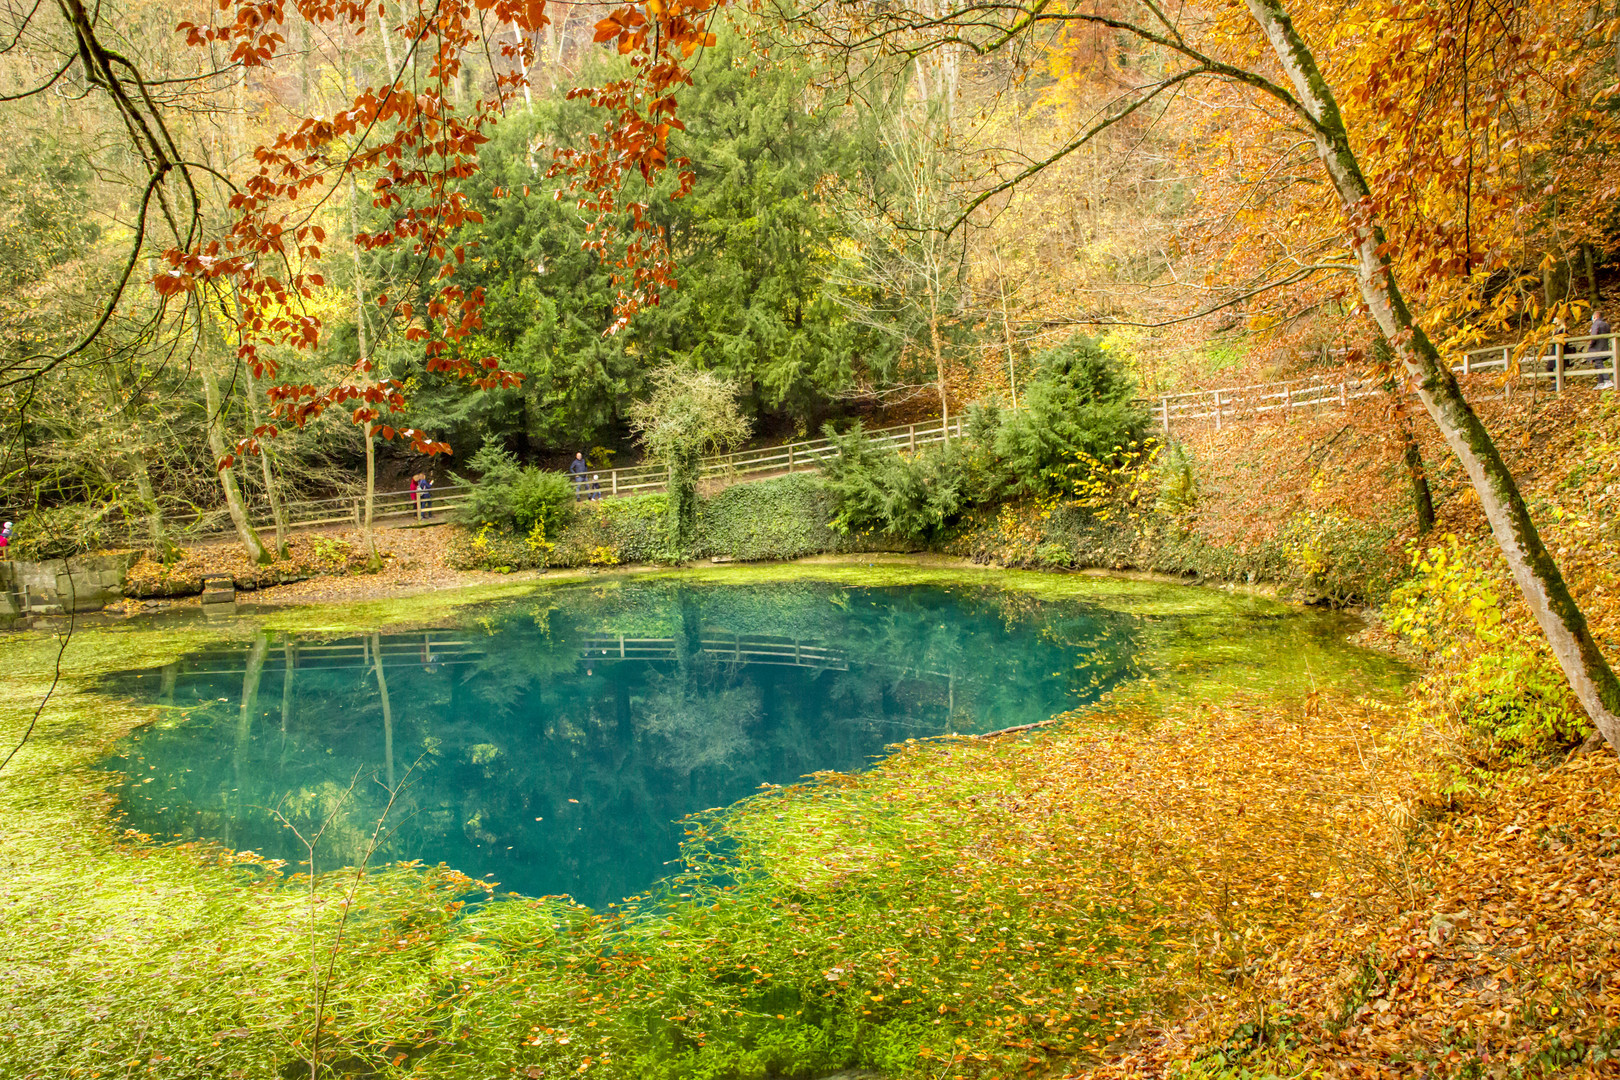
(1532, 567)
(374, 560)
(1006, 330)
(387, 43)
(216, 443)
(523, 69)
(1422, 495)
(1411, 453)
(162, 546)
(939, 362)
(278, 510)
(1555, 281)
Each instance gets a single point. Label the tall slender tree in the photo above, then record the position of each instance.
(1195, 47)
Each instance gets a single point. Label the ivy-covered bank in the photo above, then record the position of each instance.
(792, 517)
(987, 905)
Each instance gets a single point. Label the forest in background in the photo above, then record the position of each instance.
(847, 215)
(863, 234)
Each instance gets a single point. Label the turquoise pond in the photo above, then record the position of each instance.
(552, 745)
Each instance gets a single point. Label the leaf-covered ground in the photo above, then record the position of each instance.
(1494, 954)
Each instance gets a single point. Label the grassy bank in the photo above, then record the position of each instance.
(1004, 904)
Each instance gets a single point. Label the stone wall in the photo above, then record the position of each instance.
(56, 586)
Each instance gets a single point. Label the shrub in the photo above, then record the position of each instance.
(611, 531)
(543, 500)
(1503, 689)
(488, 501)
(489, 548)
(56, 532)
(690, 413)
(910, 497)
(1078, 405)
(514, 498)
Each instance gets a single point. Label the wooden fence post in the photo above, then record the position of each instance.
(1344, 396)
(1164, 403)
(613, 480)
(1614, 360)
(912, 431)
(1558, 366)
(1468, 361)
(790, 457)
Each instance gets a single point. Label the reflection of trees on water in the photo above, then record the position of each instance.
(556, 742)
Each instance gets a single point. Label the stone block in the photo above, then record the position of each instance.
(83, 583)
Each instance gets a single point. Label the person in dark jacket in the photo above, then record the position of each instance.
(576, 472)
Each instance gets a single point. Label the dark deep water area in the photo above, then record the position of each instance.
(552, 744)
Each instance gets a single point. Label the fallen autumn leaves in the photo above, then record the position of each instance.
(1501, 962)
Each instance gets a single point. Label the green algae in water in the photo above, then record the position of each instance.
(553, 744)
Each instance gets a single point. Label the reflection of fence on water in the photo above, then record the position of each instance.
(355, 654)
(449, 651)
(736, 648)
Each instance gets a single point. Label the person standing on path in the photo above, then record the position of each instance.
(1601, 343)
(576, 472)
(420, 487)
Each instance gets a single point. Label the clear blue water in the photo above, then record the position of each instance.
(552, 745)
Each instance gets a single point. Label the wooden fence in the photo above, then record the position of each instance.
(1580, 357)
(805, 454)
(1584, 357)
(400, 506)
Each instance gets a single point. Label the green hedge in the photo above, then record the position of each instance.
(1326, 560)
(604, 533)
(786, 517)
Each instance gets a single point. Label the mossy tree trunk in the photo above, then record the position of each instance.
(1417, 474)
(683, 478)
(1531, 565)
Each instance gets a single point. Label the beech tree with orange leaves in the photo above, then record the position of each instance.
(244, 254)
(1261, 52)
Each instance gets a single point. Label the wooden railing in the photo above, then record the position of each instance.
(802, 455)
(1583, 357)
(401, 506)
